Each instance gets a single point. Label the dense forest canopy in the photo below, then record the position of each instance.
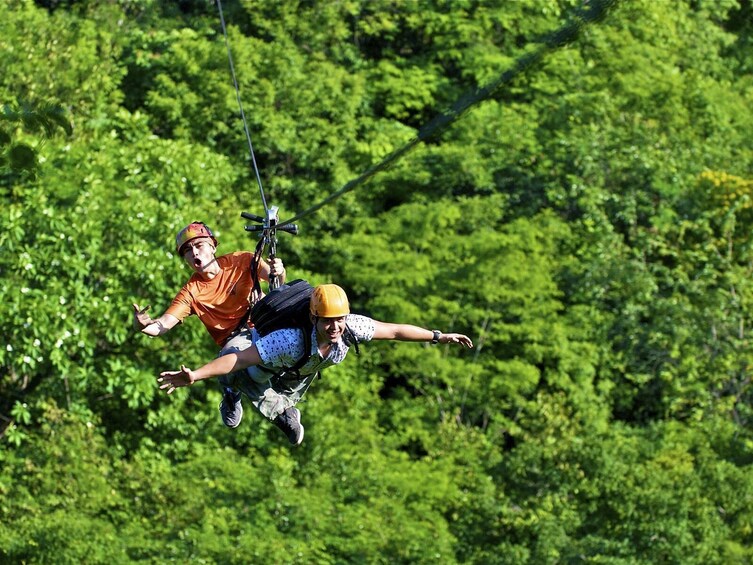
(587, 221)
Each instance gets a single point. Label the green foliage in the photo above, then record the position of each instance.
(59, 58)
(18, 157)
(588, 225)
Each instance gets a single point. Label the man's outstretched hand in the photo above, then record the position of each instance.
(460, 339)
(172, 380)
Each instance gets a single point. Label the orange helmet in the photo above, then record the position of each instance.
(329, 301)
(193, 231)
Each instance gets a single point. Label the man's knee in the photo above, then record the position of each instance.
(258, 375)
(226, 381)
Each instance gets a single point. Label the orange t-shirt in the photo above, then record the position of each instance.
(220, 303)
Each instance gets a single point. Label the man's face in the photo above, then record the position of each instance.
(199, 253)
(330, 329)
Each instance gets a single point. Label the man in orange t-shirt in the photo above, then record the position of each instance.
(220, 292)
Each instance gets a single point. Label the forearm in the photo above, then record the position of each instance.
(160, 326)
(402, 332)
(220, 366)
(408, 332)
(229, 363)
(154, 329)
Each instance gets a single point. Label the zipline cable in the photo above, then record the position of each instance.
(270, 220)
(240, 106)
(596, 10)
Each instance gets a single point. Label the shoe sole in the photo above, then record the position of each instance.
(298, 417)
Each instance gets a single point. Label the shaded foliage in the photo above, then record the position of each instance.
(588, 225)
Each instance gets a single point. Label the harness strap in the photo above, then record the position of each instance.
(255, 290)
(350, 339)
(255, 262)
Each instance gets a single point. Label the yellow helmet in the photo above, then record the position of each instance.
(329, 301)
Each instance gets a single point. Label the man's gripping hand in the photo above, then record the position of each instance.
(276, 268)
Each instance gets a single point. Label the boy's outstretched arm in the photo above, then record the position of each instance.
(171, 380)
(408, 332)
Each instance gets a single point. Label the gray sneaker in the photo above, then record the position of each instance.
(290, 423)
(231, 408)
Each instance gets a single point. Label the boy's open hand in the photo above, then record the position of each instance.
(172, 380)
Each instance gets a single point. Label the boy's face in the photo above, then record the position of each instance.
(330, 329)
(199, 253)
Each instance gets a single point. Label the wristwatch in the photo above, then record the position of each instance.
(435, 339)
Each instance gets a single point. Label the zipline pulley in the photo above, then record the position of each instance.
(268, 229)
